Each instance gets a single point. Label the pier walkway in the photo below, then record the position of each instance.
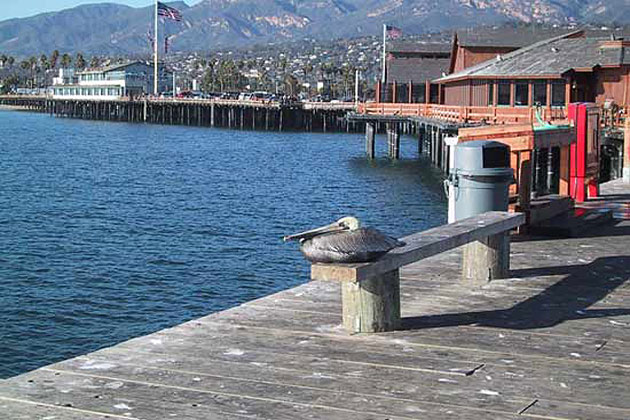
(552, 342)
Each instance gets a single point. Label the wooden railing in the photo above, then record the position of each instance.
(461, 114)
(488, 114)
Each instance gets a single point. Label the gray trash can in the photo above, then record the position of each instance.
(481, 177)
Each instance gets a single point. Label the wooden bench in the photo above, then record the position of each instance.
(371, 291)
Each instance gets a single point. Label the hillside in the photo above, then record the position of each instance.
(215, 24)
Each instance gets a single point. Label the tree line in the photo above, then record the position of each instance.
(224, 75)
(31, 72)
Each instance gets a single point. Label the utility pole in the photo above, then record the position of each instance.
(155, 52)
(356, 86)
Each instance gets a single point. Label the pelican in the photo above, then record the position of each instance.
(344, 241)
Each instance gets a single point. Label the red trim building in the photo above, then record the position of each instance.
(552, 73)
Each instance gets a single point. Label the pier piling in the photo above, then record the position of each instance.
(370, 133)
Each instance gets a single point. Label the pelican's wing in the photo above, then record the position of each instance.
(364, 244)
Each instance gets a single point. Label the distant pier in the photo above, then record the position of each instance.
(235, 114)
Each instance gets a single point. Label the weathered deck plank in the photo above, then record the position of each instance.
(551, 342)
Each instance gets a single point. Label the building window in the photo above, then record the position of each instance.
(434, 94)
(418, 93)
(558, 93)
(521, 93)
(491, 93)
(504, 93)
(540, 92)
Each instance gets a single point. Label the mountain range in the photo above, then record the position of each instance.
(108, 28)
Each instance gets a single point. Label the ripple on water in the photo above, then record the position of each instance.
(109, 231)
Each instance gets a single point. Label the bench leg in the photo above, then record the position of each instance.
(486, 260)
(372, 305)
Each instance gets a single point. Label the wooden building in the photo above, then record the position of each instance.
(552, 73)
(471, 48)
(410, 67)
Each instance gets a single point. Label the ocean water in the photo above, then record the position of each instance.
(110, 231)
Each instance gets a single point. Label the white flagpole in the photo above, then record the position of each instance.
(356, 86)
(155, 52)
(384, 39)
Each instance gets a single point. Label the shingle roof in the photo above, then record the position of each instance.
(555, 56)
(416, 69)
(417, 47)
(111, 67)
(507, 36)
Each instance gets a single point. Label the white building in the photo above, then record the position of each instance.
(128, 80)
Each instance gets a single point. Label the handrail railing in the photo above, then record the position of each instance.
(455, 113)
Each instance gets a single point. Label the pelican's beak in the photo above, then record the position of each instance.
(333, 227)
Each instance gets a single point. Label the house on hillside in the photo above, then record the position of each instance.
(552, 73)
(127, 80)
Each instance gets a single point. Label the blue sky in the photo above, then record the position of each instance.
(22, 8)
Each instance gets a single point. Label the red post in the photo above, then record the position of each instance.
(378, 91)
(394, 92)
(584, 170)
(577, 188)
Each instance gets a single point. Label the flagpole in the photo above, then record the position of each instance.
(155, 52)
(384, 38)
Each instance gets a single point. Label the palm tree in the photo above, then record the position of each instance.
(94, 61)
(80, 61)
(3, 60)
(66, 60)
(25, 65)
(54, 57)
(10, 61)
(291, 85)
(34, 68)
(348, 73)
(43, 61)
(209, 76)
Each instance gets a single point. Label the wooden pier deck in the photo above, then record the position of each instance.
(552, 342)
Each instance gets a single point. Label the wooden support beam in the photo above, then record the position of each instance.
(550, 170)
(565, 165)
(525, 181)
(486, 259)
(372, 305)
(370, 134)
(548, 93)
(427, 92)
(394, 92)
(393, 140)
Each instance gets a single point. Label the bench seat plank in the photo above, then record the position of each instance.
(422, 245)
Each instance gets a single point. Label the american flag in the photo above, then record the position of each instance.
(393, 32)
(169, 12)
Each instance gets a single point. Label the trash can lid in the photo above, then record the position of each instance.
(473, 156)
